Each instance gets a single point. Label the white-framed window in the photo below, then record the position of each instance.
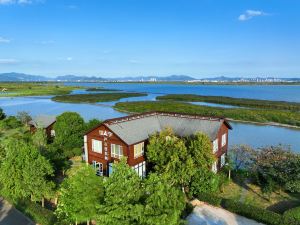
(224, 139)
(214, 167)
(52, 133)
(215, 146)
(98, 168)
(96, 146)
(139, 150)
(116, 151)
(140, 169)
(223, 159)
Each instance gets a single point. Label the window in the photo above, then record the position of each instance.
(96, 146)
(215, 146)
(223, 160)
(98, 168)
(140, 169)
(116, 151)
(52, 133)
(215, 167)
(224, 137)
(138, 150)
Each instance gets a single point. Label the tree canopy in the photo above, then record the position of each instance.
(25, 172)
(80, 195)
(69, 128)
(278, 167)
(179, 159)
(163, 202)
(123, 191)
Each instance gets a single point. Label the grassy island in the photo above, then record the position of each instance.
(101, 89)
(243, 102)
(93, 98)
(11, 89)
(242, 114)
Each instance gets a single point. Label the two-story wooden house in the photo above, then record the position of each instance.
(127, 136)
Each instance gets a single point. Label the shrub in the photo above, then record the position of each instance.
(292, 216)
(187, 210)
(36, 212)
(210, 198)
(10, 122)
(253, 212)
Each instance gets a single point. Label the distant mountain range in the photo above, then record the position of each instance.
(19, 77)
(74, 78)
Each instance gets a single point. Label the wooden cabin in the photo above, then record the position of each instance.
(43, 121)
(127, 136)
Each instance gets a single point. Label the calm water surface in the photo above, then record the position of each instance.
(253, 135)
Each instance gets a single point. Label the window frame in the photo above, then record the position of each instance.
(98, 144)
(224, 139)
(214, 167)
(142, 150)
(216, 141)
(223, 159)
(113, 151)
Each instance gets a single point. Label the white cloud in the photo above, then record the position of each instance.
(4, 40)
(69, 58)
(8, 61)
(249, 14)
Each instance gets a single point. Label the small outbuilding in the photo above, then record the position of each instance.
(43, 121)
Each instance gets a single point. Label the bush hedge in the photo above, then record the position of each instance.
(36, 212)
(210, 198)
(292, 216)
(253, 212)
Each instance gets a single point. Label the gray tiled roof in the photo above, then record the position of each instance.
(136, 130)
(42, 121)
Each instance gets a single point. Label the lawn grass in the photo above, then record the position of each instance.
(34, 89)
(252, 194)
(253, 115)
(243, 102)
(93, 98)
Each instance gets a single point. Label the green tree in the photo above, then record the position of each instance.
(163, 202)
(123, 192)
(2, 114)
(171, 158)
(25, 172)
(91, 124)
(80, 194)
(200, 149)
(39, 139)
(278, 168)
(69, 129)
(204, 181)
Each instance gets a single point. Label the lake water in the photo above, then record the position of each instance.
(254, 135)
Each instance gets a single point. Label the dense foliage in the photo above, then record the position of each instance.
(292, 215)
(79, 197)
(242, 157)
(130, 200)
(25, 172)
(2, 114)
(277, 167)
(255, 115)
(253, 212)
(180, 159)
(243, 102)
(97, 97)
(69, 129)
(10, 122)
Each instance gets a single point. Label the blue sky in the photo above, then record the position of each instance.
(112, 38)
